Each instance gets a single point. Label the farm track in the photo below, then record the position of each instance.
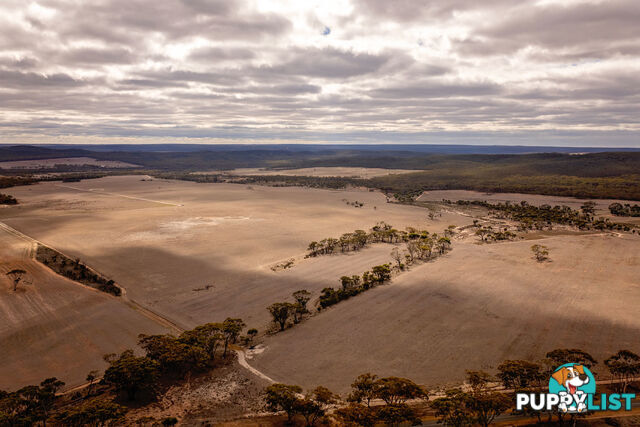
(95, 191)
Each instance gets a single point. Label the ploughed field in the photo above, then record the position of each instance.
(51, 326)
(197, 253)
(202, 252)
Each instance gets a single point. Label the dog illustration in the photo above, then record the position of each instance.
(571, 378)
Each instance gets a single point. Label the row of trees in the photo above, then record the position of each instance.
(354, 285)
(374, 400)
(169, 357)
(545, 216)
(380, 233)
(75, 270)
(619, 209)
(283, 312)
(488, 234)
(312, 406)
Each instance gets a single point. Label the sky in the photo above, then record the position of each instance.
(331, 71)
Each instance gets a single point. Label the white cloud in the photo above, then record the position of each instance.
(259, 70)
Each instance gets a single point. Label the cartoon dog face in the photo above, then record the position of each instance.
(571, 377)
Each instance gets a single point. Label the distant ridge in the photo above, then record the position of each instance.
(416, 148)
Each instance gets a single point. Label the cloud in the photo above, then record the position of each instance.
(342, 70)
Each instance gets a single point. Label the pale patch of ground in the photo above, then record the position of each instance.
(472, 309)
(65, 161)
(198, 253)
(227, 393)
(52, 326)
(351, 172)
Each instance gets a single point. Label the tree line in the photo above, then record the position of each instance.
(543, 217)
(619, 209)
(130, 377)
(75, 270)
(374, 401)
(379, 233)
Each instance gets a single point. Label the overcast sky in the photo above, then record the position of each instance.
(358, 71)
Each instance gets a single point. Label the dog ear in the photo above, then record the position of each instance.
(579, 368)
(560, 376)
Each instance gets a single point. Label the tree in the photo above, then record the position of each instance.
(91, 378)
(280, 311)
(231, 329)
(174, 355)
(208, 337)
(396, 414)
(364, 389)
(394, 390)
(381, 273)
(251, 335)
(561, 356)
(47, 396)
(398, 257)
(486, 406)
(315, 404)
(624, 366)
(454, 409)
(283, 397)
(131, 374)
(16, 275)
(96, 412)
(588, 208)
(358, 415)
(520, 374)
(540, 252)
(302, 297)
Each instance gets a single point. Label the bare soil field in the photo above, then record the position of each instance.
(51, 326)
(351, 172)
(472, 309)
(197, 253)
(66, 161)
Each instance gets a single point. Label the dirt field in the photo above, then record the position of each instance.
(67, 161)
(479, 305)
(167, 241)
(51, 326)
(196, 253)
(352, 172)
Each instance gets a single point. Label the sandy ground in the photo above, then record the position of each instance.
(166, 241)
(67, 161)
(479, 305)
(352, 172)
(54, 327)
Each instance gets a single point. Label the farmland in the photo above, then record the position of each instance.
(196, 253)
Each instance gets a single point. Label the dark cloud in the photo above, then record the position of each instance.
(421, 10)
(212, 54)
(566, 31)
(13, 79)
(98, 56)
(329, 63)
